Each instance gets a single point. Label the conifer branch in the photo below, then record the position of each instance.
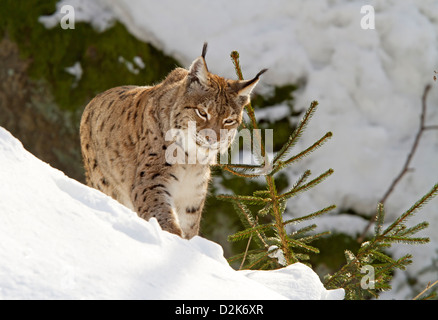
(243, 255)
(415, 229)
(308, 185)
(371, 254)
(240, 174)
(309, 216)
(248, 199)
(293, 139)
(274, 203)
(302, 245)
(302, 179)
(279, 228)
(249, 221)
(261, 193)
(240, 235)
(382, 257)
(380, 218)
(299, 234)
(313, 237)
(412, 209)
(280, 248)
(239, 166)
(281, 164)
(260, 259)
(249, 108)
(406, 240)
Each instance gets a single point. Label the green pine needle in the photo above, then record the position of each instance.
(246, 199)
(406, 240)
(349, 256)
(410, 212)
(414, 229)
(297, 234)
(294, 137)
(380, 218)
(300, 245)
(282, 164)
(307, 186)
(245, 234)
(272, 237)
(309, 216)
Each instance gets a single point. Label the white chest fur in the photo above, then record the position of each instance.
(188, 194)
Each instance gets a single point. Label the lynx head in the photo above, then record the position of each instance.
(214, 104)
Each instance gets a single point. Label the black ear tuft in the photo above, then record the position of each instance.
(254, 80)
(245, 87)
(198, 72)
(204, 49)
(260, 73)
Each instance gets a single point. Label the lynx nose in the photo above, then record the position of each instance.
(210, 136)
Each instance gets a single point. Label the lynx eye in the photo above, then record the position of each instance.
(202, 114)
(229, 122)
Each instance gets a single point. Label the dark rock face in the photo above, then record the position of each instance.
(28, 111)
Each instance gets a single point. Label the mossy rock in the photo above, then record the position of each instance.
(53, 50)
(54, 99)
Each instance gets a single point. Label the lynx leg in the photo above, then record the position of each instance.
(151, 199)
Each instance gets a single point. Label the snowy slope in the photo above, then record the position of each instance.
(369, 85)
(62, 240)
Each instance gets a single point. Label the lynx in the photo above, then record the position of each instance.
(126, 146)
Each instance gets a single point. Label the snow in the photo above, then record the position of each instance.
(76, 71)
(130, 65)
(298, 277)
(368, 83)
(83, 11)
(276, 253)
(60, 239)
(273, 113)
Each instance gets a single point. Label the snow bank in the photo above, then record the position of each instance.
(369, 85)
(368, 82)
(298, 277)
(60, 239)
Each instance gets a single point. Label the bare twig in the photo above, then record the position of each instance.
(428, 287)
(246, 252)
(413, 149)
(247, 248)
(406, 167)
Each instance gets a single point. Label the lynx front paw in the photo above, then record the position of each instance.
(174, 229)
(169, 224)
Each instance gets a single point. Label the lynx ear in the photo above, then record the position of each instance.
(245, 87)
(198, 71)
(204, 49)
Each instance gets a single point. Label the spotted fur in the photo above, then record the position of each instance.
(125, 146)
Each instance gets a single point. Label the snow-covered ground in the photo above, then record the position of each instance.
(60, 239)
(368, 83)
